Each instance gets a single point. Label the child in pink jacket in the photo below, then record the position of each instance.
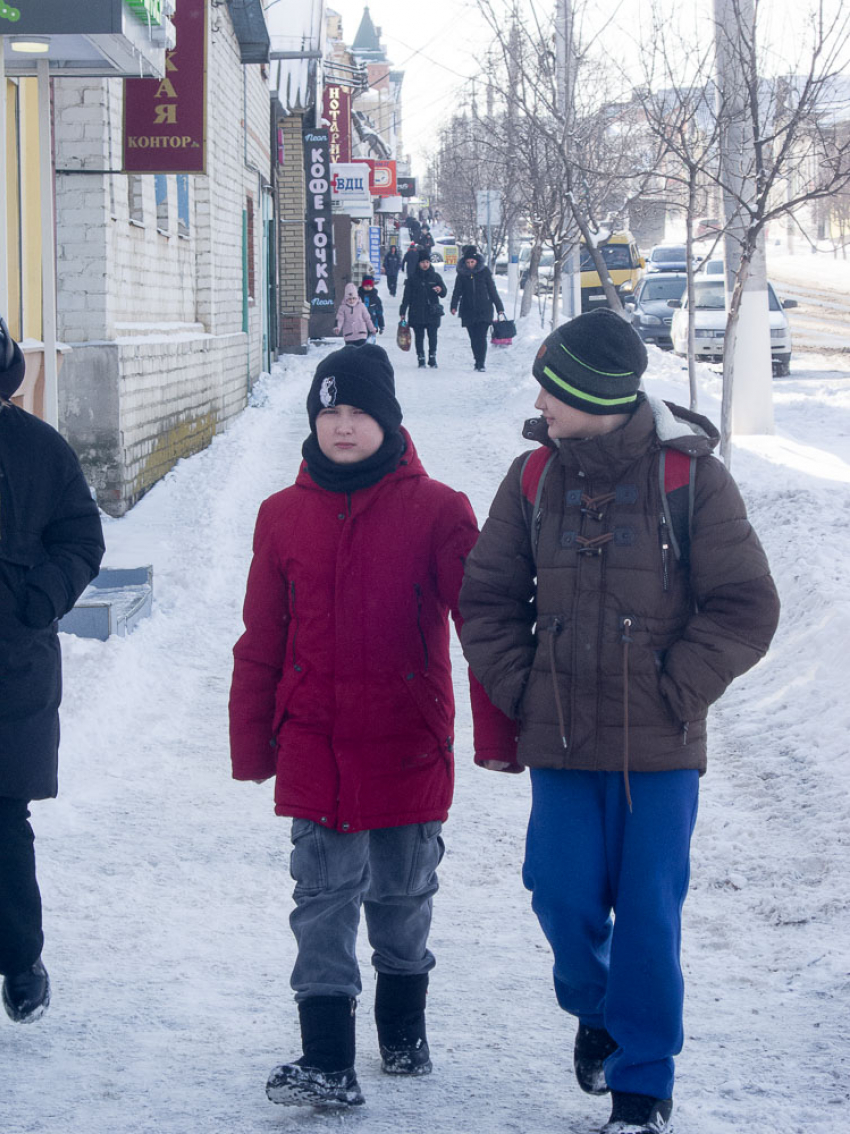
(352, 319)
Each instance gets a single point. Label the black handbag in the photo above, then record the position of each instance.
(503, 329)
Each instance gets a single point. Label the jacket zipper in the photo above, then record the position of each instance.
(418, 591)
(665, 552)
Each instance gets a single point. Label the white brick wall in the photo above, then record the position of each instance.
(120, 281)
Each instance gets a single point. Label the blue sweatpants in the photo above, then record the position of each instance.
(608, 886)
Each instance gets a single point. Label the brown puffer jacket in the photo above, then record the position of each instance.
(617, 632)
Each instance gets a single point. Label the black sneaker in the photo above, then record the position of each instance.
(432, 362)
(638, 1114)
(415, 1060)
(421, 362)
(592, 1048)
(26, 995)
(294, 1085)
(480, 369)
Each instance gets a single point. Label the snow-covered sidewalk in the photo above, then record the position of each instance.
(166, 884)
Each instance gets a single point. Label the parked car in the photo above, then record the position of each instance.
(710, 324)
(625, 266)
(668, 258)
(651, 313)
(713, 267)
(545, 269)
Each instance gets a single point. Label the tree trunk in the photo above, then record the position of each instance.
(531, 280)
(729, 339)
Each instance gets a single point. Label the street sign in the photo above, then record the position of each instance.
(488, 204)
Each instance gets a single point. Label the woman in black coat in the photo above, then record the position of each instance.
(423, 291)
(475, 296)
(51, 545)
(392, 266)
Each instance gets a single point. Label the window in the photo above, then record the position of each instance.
(252, 275)
(161, 190)
(135, 201)
(183, 226)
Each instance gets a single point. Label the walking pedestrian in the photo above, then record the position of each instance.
(583, 625)
(392, 266)
(342, 690)
(353, 320)
(51, 545)
(372, 302)
(411, 260)
(475, 296)
(426, 240)
(420, 301)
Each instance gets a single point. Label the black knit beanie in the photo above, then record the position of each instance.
(593, 363)
(356, 376)
(468, 252)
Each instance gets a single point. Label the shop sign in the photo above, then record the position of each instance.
(382, 177)
(149, 11)
(319, 231)
(336, 107)
(165, 120)
(7, 12)
(375, 250)
(350, 190)
(406, 186)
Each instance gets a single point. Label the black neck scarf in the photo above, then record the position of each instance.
(348, 478)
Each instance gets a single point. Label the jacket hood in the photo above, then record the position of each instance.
(410, 465)
(675, 427)
(12, 364)
(463, 270)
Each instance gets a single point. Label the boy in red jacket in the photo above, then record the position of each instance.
(342, 690)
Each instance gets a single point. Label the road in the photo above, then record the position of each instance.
(822, 320)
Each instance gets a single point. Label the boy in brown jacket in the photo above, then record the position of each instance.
(607, 628)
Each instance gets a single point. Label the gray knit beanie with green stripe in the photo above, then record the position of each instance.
(593, 363)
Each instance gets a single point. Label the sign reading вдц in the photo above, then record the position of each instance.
(165, 119)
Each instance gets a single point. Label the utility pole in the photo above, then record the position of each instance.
(513, 251)
(749, 398)
(565, 59)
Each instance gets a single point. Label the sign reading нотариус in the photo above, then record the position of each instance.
(319, 231)
(165, 119)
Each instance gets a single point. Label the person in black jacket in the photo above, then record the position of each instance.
(421, 298)
(426, 240)
(411, 260)
(392, 266)
(372, 302)
(475, 295)
(51, 545)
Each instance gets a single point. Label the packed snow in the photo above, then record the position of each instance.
(166, 884)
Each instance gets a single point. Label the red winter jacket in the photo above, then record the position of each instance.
(342, 682)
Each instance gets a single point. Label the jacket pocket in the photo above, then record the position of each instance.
(431, 708)
(292, 677)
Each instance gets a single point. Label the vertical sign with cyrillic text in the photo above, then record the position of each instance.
(165, 120)
(336, 107)
(319, 231)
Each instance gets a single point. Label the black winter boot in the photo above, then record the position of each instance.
(592, 1048)
(26, 995)
(638, 1114)
(400, 1017)
(421, 360)
(324, 1076)
(432, 361)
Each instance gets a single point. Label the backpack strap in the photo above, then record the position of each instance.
(532, 478)
(676, 480)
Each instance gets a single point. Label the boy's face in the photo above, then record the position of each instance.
(566, 421)
(367, 287)
(347, 435)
